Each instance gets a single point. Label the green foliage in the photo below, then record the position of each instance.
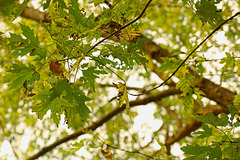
(236, 102)
(169, 64)
(29, 44)
(20, 8)
(90, 74)
(207, 132)
(6, 6)
(200, 70)
(207, 12)
(202, 152)
(97, 2)
(211, 119)
(76, 146)
(62, 98)
(218, 143)
(127, 49)
(20, 73)
(53, 73)
(46, 4)
(229, 63)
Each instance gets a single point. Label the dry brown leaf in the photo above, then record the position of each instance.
(55, 67)
(105, 151)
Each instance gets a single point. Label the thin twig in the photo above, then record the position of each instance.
(117, 31)
(215, 30)
(128, 87)
(130, 151)
(112, 34)
(136, 151)
(209, 60)
(123, 27)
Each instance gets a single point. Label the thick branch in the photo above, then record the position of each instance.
(105, 118)
(171, 113)
(36, 15)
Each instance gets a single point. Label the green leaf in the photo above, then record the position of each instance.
(185, 2)
(6, 7)
(46, 4)
(208, 13)
(76, 146)
(202, 152)
(102, 61)
(200, 70)
(76, 12)
(175, 1)
(23, 46)
(61, 86)
(215, 152)
(16, 41)
(236, 101)
(29, 34)
(195, 149)
(19, 73)
(207, 132)
(91, 74)
(237, 63)
(170, 64)
(97, 2)
(125, 98)
(199, 95)
(232, 111)
(214, 120)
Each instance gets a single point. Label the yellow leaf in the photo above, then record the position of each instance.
(238, 69)
(105, 151)
(122, 91)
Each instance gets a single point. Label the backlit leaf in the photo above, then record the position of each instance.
(19, 73)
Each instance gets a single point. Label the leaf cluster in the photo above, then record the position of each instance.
(218, 142)
(62, 98)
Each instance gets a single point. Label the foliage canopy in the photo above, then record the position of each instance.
(79, 72)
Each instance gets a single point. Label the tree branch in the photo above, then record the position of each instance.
(105, 118)
(183, 62)
(130, 151)
(193, 125)
(123, 27)
(155, 135)
(213, 91)
(171, 113)
(35, 14)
